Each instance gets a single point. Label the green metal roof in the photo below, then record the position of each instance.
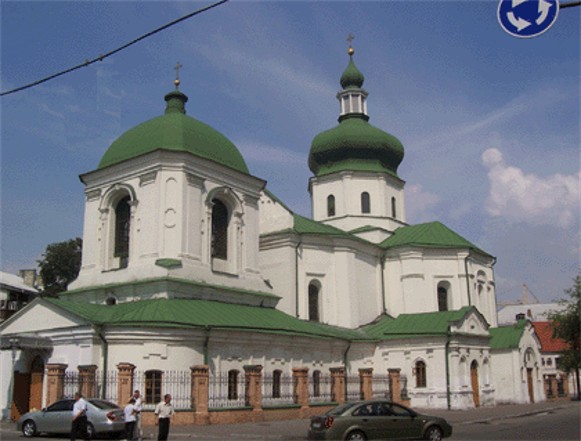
(431, 234)
(352, 77)
(180, 313)
(175, 131)
(507, 337)
(303, 225)
(414, 325)
(355, 145)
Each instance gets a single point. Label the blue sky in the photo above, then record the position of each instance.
(490, 122)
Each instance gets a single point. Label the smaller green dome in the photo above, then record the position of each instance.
(175, 131)
(352, 77)
(355, 145)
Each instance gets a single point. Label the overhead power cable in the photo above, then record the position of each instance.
(119, 49)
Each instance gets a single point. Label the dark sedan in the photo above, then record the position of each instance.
(375, 420)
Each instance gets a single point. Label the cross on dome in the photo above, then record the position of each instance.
(350, 39)
(177, 69)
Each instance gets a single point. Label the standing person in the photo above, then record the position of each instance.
(164, 411)
(79, 425)
(129, 412)
(138, 433)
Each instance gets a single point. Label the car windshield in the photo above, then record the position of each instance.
(340, 409)
(101, 404)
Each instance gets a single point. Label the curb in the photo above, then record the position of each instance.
(507, 417)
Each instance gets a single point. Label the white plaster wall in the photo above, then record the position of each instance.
(273, 216)
(278, 266)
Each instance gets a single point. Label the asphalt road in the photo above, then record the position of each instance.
(554, 424)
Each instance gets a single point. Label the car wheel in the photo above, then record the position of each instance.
(29, 428)
(434, 433)
(356, 435)
(91, 431)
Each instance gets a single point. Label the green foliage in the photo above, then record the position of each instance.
(567, 326)
(60, 265)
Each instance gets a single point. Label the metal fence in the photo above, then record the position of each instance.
(354, 389)
(380, 386)
(320, 388)
(70, 383)
(154, 384)
(226, 389)
(277, 389)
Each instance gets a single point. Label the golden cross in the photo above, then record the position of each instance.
(177, 69)
(350, 38)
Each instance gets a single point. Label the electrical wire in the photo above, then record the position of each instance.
(119, 49)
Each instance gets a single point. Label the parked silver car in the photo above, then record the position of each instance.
(104, 418)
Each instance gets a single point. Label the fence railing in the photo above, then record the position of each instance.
(153, 385)
(277, 389)
(226, 390)
(380, 386)
(354, 390)
(320, 389)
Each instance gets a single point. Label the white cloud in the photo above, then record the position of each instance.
(520, 197)
(419, 204)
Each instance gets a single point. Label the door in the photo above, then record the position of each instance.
(475, 385)
(36, 377)
(57, 417)
(530, 384)
(20, 395)
(397, 422)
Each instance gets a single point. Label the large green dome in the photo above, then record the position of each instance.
(354, 145)
(175, 131)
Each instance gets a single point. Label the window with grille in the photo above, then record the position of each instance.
(233, 385)
(420, 374)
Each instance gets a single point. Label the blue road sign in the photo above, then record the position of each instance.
(527, 18)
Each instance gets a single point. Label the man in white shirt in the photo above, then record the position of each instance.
(129, 412)
(164, 411)
(138, 433)
(79, 425)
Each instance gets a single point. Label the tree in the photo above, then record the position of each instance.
(60, 265)
(567, 326)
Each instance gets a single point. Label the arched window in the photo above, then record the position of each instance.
(122, 231)
(442, 298)
(233, 384)
(153, 386)
(276, 376)
(219, 230)
(393, 212)
(420, 371)
(313, 302)
(317, 383)
(330, 205)
(365, 203)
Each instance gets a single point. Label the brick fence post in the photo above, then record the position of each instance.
(366, 382)
(201, 393)
(124, 382)
(55, 376)
(253, 393)
(88, 380)
(337, 384)
(394, 385)
(301, 387)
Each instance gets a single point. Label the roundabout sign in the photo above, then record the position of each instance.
(527, 18)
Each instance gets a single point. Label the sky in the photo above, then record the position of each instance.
(490, 123)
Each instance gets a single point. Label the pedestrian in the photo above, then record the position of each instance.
(164, 411)
(129, 412)
(138, 433)
(79, 424)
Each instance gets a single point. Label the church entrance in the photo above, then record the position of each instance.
(530, 385)
(475, 385)
(27, 392)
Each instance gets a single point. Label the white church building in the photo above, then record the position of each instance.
(189, 260)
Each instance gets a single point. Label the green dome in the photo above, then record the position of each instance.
(178, 132)
(355, 145)
(352, 77)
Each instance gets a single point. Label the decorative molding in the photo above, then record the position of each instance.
(195, 181)
(147, 178)
(93, 195)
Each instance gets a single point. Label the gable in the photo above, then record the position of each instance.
(40, 316)
(472, 323)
